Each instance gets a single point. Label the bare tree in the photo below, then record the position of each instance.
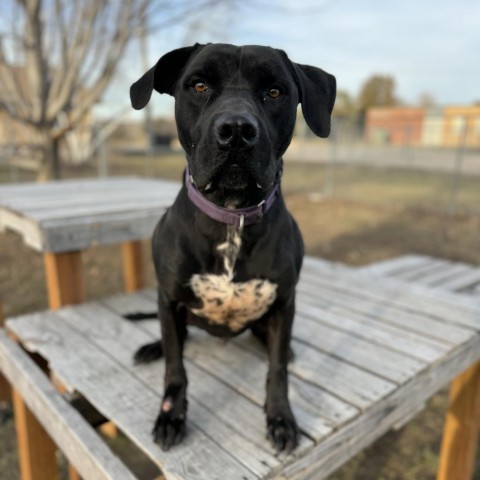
(57, 57)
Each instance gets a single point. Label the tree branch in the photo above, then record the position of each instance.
(64, 79)
(36, 65)
(91, 95)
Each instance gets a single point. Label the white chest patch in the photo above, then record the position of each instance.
(229, 303)
(232, 303)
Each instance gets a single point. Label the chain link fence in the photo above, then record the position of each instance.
(413, 168)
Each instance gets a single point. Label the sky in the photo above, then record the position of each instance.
(428, 46)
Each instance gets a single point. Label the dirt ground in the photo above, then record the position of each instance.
(348, 231)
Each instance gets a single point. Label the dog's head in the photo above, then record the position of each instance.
(235, 109)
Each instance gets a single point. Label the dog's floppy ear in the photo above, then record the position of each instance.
(162, 77)
(317, 90)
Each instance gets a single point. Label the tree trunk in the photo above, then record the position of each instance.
(50, 168)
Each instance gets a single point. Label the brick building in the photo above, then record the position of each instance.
(450, 126)
(394, 125)
(462, 126)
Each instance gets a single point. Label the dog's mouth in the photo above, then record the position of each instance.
(232, 177)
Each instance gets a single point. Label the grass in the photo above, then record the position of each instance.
(373, 214)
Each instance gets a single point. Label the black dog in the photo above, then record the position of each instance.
(227, 253)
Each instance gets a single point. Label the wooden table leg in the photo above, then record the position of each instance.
(461, 430)
(64, 273)
(36, 449)
(73, 474)
(133, 266)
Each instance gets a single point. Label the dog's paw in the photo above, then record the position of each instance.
(169, 427)
(149, 352)
(282, 431)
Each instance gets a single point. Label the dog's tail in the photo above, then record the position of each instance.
(148, 353)
(151, 351)
(137, 316)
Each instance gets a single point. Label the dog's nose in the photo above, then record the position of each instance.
(240, 131)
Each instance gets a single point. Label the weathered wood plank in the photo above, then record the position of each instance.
(463, 282)
(436, 279)
(75, 211)
(358, 434)
(94, 210)
(118, 395)
(80, 443)
(20, 190)
(334, 319)
(313, 263)
(409, 417)
(18, 196)
(460, 276)
(120, 192)
(375, 331)
(235, 420)
(434, 266)
(213, 367)
(377, 359)
(308, 401)
(443, 295)
(144, 301)
(391, 266)
(104, 196)
(387, 310)
(352, 384)
(245, 373)
(463, 311)
(103, 229)
(66, 216)
(26, 227)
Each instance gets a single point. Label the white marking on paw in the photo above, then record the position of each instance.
(167, 405)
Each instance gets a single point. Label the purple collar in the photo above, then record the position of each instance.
(240, 216)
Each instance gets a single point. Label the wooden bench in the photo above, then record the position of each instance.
(368, 353)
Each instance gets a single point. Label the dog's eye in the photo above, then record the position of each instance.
(200, 87)
(274, 93)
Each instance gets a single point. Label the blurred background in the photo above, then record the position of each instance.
(407, 110)
(399, 174)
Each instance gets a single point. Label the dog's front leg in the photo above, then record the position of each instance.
(282, 428)
(169, 427)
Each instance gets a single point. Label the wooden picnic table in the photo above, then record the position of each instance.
(61, 219)
(369, 352)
